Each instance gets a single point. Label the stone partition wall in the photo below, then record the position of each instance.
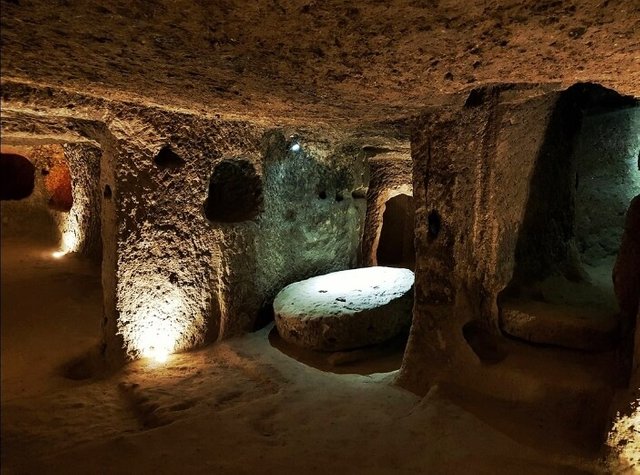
(202, 220)
(451, 149)
(390, 176)
(314, 213)
(466, 228)
(64, 207)
(196, 262)
(178, 275)
(494, 191)
(81, 230)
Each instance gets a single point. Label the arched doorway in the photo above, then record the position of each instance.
(17, 177)
(396, 243)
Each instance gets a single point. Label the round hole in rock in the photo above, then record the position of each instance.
(235, 192)
(58, 186)
(17, 177)
(396, 244)
(167, 158)
(107, 192)
(322, 195)
(434, 223)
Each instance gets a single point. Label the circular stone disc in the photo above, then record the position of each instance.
(346, 309)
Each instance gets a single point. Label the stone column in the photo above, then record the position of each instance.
(626, 281)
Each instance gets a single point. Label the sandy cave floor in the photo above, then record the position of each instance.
(240, 406)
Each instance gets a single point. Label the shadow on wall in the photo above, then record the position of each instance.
(561, 292)
(235, 192)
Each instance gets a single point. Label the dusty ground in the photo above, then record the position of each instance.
(235, 407)
(335, 59)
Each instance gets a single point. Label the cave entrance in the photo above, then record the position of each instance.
(17, 177)
(25, 213)
(52, 298)
(586, 175)
(396, 243)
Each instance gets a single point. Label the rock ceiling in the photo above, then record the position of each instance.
(334, 60)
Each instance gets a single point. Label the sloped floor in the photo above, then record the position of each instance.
(241, 406)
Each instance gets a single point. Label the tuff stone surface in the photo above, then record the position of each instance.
(581, 328)
(169, 271)
(313, 221)
(391, 175)
(345, 310)
(497, 171)
(344, 63)
(34, 216)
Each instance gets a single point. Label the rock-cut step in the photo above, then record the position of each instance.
(347, 309)
(577, 327)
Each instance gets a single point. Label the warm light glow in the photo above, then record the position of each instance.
(69, 244)
(158, 340)
(624, 439)
(160, 353)
(70, 240)
(159, 324)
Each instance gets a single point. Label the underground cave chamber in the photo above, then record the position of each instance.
(339, 237)
(208, 240)
(323, 202)
(586, 176)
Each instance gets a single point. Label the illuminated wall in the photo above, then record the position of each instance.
(33, 217)
(390, 176)
(607, 179)
(195, 262)
(167, 259)
(80, 226)
(313, 216)
(497, 171)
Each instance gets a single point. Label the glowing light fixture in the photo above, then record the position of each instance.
(69, 244)
(158, 340)
(160, 324)
(159, 353)
(295, 147)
